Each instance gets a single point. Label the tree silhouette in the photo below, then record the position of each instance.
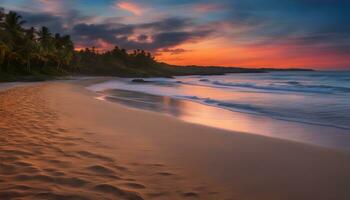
(27, 51)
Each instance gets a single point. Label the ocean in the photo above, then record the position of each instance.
(308, 107)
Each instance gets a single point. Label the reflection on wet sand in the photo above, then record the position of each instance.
(224, 119)
(145, 101)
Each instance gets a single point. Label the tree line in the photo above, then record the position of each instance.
(32, 51)
(23, 50)
(40, 54)
(119, 62)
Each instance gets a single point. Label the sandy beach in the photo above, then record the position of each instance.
(57, 141)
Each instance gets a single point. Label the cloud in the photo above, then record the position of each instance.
(61, 24)
(318, 27)
(207, 7)
(169, 24)
(120, 35)
(130, 7)
(55, 23)
(55, 7)
(151, 36)
(101, 30)
(175, 51)
(142, 37)
(170, 39)
(59, 16)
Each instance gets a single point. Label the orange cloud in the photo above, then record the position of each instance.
(204, 8)
(54, 7)
(130, 7)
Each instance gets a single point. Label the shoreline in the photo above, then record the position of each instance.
(153, 156)
(193, 111)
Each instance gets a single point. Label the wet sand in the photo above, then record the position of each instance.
(58, 142)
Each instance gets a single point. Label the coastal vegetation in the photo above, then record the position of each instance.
(28, 53)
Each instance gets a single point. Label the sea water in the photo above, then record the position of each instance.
(311, 107)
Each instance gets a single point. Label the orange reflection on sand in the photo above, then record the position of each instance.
(215, 117)
(211, 116)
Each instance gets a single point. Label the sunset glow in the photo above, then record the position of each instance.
(253, 33)
(133, 8)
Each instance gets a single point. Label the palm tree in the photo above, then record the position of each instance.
(68, 49)
(12, 35)
(46, 44)
(30, 48)
(21, 47)
(4, 50)
(3, 46)
(64, 50)
(13, 25)
(2, 14)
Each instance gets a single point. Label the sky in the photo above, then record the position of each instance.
(243, 33)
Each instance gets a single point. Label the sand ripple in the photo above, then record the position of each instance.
(39, 159)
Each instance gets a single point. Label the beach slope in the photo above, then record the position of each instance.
(57, 141)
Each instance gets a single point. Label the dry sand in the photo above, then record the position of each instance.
(58, 142)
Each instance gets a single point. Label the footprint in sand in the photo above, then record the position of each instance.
(95, 156)
(70, 181)
(165, 174)
(158, 194)
(52, 195)
(135, 185)
(110, 189)
(190, 194)
(100, 169)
